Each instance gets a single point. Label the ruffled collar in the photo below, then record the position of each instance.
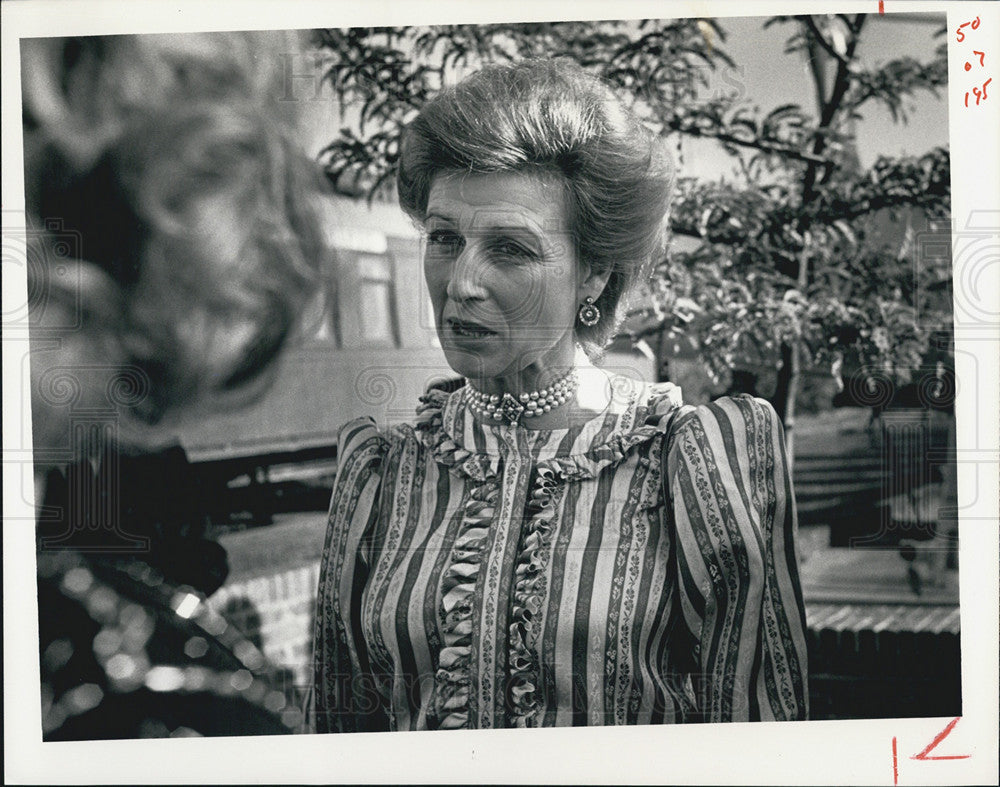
(458, 440)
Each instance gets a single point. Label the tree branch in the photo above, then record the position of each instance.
(821, 40)
(757, 144)
(868, 206)
(840, 85)
(842, 81)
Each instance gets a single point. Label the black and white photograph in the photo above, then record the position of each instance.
(464, 371)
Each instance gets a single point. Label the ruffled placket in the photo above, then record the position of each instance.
(450, 705)
(529, 596)
(452, 680)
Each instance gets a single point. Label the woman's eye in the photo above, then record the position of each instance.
(511, 249)
(443, 241)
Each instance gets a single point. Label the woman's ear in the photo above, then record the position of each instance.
(592, 284)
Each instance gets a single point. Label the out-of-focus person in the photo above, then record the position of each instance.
(172, 244)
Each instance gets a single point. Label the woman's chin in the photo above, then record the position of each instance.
(470, 363)
(471, 371)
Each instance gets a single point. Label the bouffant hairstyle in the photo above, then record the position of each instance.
(164, 173)
(552, 115)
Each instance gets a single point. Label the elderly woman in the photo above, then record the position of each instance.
(172, 243)
(551, 544)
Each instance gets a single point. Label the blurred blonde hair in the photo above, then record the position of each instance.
(173, 165)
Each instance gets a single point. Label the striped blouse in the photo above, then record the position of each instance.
(639, 568)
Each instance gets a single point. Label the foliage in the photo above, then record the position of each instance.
(787, 270)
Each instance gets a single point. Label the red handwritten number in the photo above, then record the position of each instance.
(925, 754)
(974, 24)
(979, 94)
(982, 58)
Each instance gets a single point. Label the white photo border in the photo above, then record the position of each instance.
(820, 752)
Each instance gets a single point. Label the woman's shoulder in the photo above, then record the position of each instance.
(363, 430)
(364, 437)
(361, 442)
(738, 414)
(744, 429)
(357, 432)
(726, 463)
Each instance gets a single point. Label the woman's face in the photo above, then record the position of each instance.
(503, 274)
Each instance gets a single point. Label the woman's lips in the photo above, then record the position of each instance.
(467, 329)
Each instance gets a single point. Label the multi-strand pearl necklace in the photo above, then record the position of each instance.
(530, 404)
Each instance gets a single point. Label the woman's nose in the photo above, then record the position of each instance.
(466, 282)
